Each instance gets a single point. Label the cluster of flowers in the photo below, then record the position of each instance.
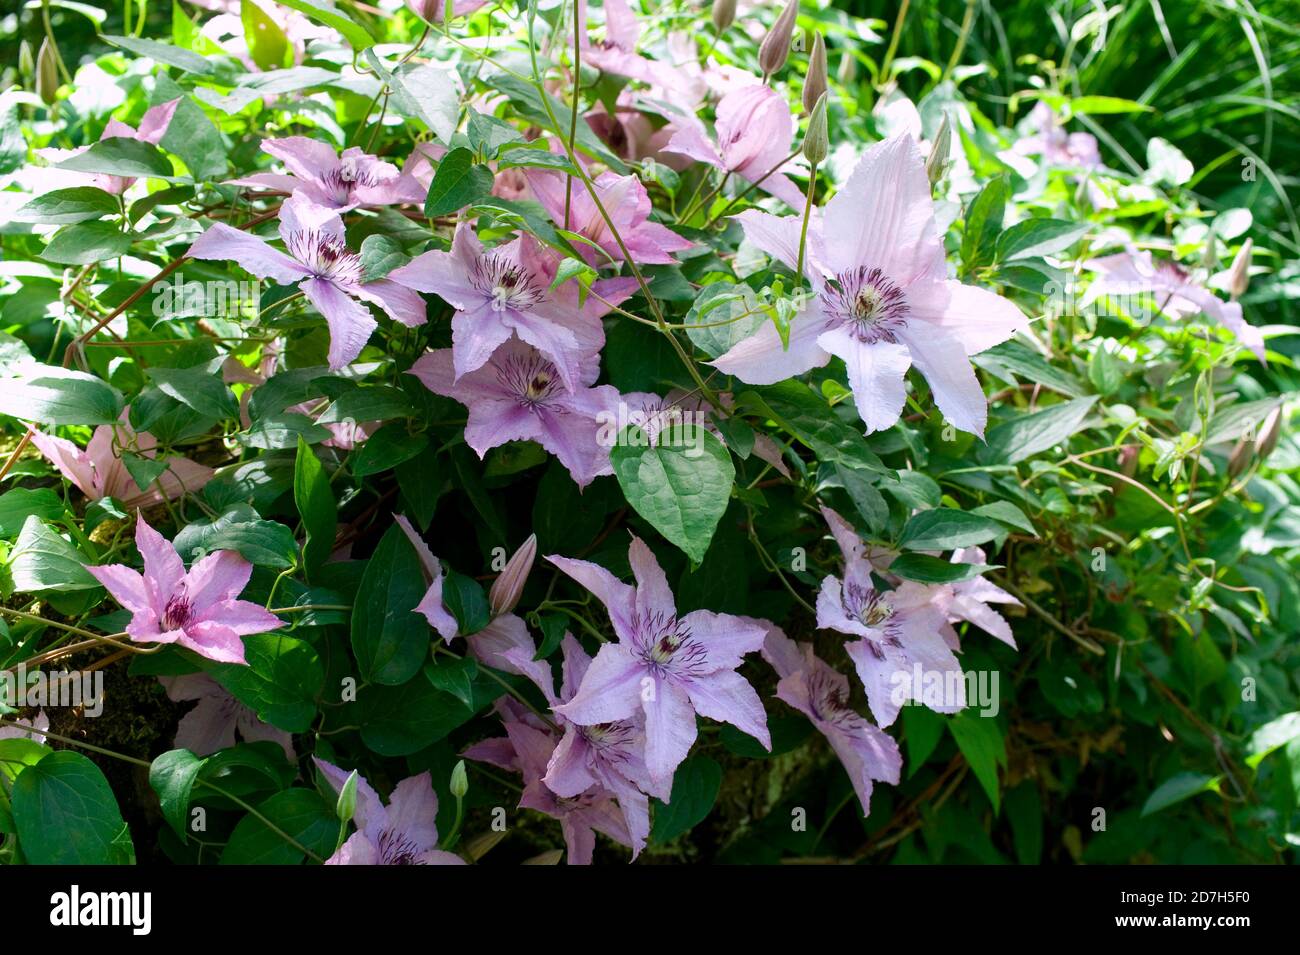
(525, 359)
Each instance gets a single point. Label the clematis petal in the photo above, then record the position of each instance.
(727, 697)
(350, 323)
(877, 375)
(945, 365)
(221, 243)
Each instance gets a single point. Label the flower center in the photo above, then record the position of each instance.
(177, 613)
(666, 645)
(326, 256)
(532, 380)
(506, 284)
(396, 848)
(867, 605)
(873, 307)
(340, 182)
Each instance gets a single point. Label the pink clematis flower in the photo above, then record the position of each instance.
(531, 750)
(628, 204)
(336, 182)
(821, 693)
(608, 756)
(405, 832)
(327, 273)
(881, 297)
(1054, 144)
(505, 291)
(433, 10)
(899, 630)
(212, 724)
(518, 395)
(616, 53)
(1135, 271)
(33, 729)
(98, 471)
(195, 609)
(971, 598)
(153, 127)
(668, 668)
(754, 129)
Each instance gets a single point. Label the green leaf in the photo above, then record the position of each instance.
(172, 777)
(695, 789)
(983, 225)
(1038, 237)
(1025, 813)
(268, 46)
(17, 505)
(401, 720)
(380, 254)
(301, 814)
(922, 730)
(41, 561)
(281, 682)
(66, 206)
(681, 487)
(315, 502)
(66, 814)
(1007, 513)
(808, 416)
(466, 601)
(925, 569)
(457, 182)
(87, 242)
(120, 156)
(166, 53)
(1027, 434)
(1014, 358)
(980, 740)
(388, 447)
(454, 675)
(264, 543)
(428, 93)
(945, 528)
(324, 11)
(199, 387)
(360, 405)
(390, 640)
(717, 319)
(1177, 788)
(1271, 736)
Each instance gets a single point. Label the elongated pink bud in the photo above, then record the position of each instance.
(1239, 275)
(509, 586)
(724, 14)
(775, 48)
(817, 81)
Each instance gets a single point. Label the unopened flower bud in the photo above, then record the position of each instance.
(936, 164)
(1128, 459)
(1269, 432)
(346, 805)
(775, 48)
(26, 62)
(509, 586)
(816, 82)
(47, 73)
(459, 781)
(724, 13)
(1239, 274)
(847, 71)
(1239, 459)
(817, 140)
